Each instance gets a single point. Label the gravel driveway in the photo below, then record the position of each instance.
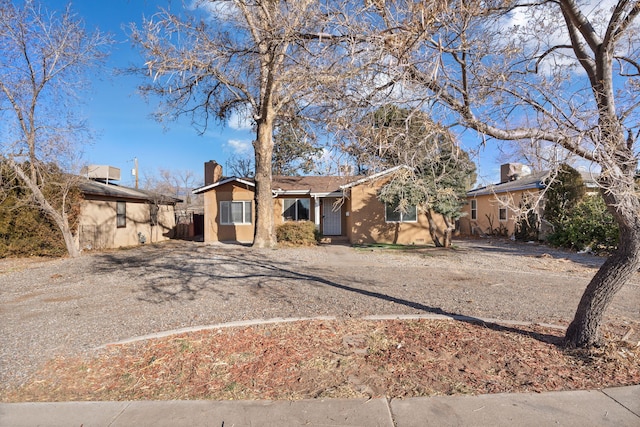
(71, 306)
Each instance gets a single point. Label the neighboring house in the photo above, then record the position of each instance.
(342, 208)
(494, 209)
(113, 216)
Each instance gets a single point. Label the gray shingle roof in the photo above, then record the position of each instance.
(528, 182)
(306, 184)
(536, 180)
(97, 188)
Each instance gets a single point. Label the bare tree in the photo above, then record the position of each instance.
(43, 56)
(240, 165)
(560, 71)
(178, 184)
(245, 57)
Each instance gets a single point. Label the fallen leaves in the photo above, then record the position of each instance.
(336, 359)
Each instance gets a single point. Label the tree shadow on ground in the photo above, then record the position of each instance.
(525, 249)
(184, 272)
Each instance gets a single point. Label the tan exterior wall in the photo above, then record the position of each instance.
(366, 220)
(216, 232)
(97, 225)
(362, 217)
(488, 213)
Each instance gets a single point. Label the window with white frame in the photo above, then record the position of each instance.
(296, 209)
(235, 212)
(502, 210)
(474, 209)
(393, 214)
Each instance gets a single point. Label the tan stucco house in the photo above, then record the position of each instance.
(113, 216)
(342, 207)
(494, 209)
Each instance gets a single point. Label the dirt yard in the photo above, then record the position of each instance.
(54, 314)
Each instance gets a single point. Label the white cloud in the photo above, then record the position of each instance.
(241, 120)
(215, 10)
(239, 146)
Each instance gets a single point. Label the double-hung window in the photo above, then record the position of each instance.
(121, 214)
(393, 214)
(296, 209)
(235, 212)
(502, 213)
(474, 209)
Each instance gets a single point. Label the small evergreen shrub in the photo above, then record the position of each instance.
(298, 233)
(25, 231)
(580, 221)
(589, 225)
(527, 227)
(24, 228)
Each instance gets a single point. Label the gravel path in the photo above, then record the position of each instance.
(72, 306)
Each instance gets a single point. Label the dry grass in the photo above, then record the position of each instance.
(336, 359)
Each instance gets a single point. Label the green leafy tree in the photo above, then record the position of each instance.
(564, 191)
(294, 151)
(294, 148)
(438, 172)
(580, 220)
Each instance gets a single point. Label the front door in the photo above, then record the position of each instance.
(331, 217)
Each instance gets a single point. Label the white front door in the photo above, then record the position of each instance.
(331, 217)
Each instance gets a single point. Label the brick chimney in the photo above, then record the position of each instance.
(510, 172)
(212, 172)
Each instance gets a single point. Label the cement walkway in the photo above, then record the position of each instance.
(609, 407)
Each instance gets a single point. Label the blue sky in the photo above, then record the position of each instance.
(121, 118)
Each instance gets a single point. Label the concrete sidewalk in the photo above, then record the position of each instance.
(609, 407)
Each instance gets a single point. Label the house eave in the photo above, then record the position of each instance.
(280, 192)
(97, 189)
(329, 194)
(492, 190)
(374, 177)
(206, 188)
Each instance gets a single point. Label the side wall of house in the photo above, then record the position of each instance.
(366, 220)
(97, 227)
(216, 232)
(166, 228)
(488, 213)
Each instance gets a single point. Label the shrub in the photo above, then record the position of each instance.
(580, 221)
(24, 229)
(528, 226)
(298, 233)
(563, 194)
(589, 225)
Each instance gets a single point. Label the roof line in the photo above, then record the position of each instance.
(374, 176)
(221, 182)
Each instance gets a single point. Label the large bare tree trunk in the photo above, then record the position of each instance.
(584, 330)
(264, 236)
(617, 270)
